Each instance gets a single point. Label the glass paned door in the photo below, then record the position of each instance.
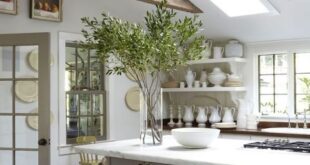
(24, 99)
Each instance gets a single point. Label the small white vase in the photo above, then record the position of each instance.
(203, 76)
(190, 78)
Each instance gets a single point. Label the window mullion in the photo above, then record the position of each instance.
(291, 84)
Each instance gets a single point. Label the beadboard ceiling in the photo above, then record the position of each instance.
(292, 23)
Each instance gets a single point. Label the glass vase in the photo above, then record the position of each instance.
(151, 123)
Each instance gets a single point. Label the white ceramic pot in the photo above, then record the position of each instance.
(217, 77)
(233, 49)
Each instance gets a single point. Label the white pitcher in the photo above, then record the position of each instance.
(190, 78)
(228, 114)
(215, 116)
(201, 117)
(242, 112)
(188, 117)
(207, 52)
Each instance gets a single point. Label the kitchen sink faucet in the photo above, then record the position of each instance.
(305, 118)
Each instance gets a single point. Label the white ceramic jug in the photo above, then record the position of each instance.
(190, 78)
(228, 114)
(203, 76)
(215, 116)
(188, 117)
(218, 52)
(201, 117)
(242, 112)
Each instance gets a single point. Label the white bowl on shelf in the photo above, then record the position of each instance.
(195, 137)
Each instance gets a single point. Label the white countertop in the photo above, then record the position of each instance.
(223, 152)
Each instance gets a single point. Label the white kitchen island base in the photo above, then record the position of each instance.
(222, 152)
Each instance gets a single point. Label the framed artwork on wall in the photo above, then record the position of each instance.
(8, 6)
(49, 10)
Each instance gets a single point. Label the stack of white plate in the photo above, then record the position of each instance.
(224, 125)
(230, 83)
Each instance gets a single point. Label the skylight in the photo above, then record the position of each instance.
(235, 8)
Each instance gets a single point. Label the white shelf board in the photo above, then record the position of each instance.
(220, 60)
(208, 89)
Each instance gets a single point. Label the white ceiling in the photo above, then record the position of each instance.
(292, 23)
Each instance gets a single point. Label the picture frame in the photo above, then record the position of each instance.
(48, 10)
(8, 7)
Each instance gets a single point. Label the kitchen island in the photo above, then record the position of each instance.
(222, 152)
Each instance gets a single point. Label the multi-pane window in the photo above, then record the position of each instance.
(273, 83)
(302, 75)
(284, 81)
(85, 95)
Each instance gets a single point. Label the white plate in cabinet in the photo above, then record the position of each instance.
(220, 60)
(208, 89)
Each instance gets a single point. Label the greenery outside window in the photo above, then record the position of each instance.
(85, 95)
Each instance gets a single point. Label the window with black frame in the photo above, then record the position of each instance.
(273, 83)
(85, 95)
(302, 82)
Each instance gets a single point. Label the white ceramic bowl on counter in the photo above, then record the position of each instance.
(195, 137)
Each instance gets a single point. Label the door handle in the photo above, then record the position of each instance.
(42, 142)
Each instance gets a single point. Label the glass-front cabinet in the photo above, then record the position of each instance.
(85, 95)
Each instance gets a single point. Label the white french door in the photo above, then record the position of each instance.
(25, 99)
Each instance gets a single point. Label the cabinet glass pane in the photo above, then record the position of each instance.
(86, 125)
(281, 84)
(72, 128)
(281, 103)
(98, 126)
(95, 81)
(301, 105)
(6, 157)
(6, 132)
(31, 157)
(300, 86)
(302, 63)
(85, 108)
(266, 104)
(6, 97)
(98, 104)
(26, 93)
(281, 64)
(72, 105)
(266, 64)
(266, 84)
(6, 62)
(26, 133)
(27, 66)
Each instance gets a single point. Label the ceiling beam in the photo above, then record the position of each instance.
(183, 5)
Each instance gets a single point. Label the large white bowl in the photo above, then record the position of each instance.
(195, 137)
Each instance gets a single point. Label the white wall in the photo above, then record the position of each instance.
(122, 122)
